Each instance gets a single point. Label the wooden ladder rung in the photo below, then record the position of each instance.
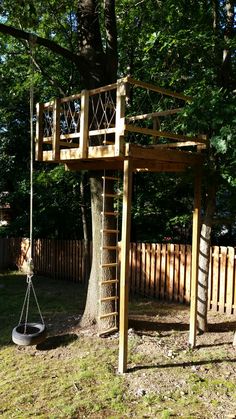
(109, 281)
(108, 265)
(112, 298)
(108, 142)
(112, 213)
(103, 316)
(109, 247)
(109, 231)
(105, 332)
(110, 178)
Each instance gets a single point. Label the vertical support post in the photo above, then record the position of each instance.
(39, 132)
(84, 119)
(195, 257)
(56, 130)
(124, 269)
(120, 117)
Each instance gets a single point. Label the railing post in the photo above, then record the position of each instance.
(39, 132)
(56, 130)
(84, 120)
(120, 117)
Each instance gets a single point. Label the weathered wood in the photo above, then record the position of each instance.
(157, 89)
(164, 134)
(124, 269)
(56, 130)
(230, 276)
(84, 121)
(153, 114)
(39, 132)
(195, 257)
(120, 118)
(223, 258)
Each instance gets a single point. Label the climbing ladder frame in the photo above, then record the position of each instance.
(113, 128)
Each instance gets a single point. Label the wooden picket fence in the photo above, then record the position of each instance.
(161, 271)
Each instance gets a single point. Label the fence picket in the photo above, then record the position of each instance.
(161, 271)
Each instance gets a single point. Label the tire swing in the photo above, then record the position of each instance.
(26, 333)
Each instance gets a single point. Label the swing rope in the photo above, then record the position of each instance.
(30, 264)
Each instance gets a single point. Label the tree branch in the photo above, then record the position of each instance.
(51, 45)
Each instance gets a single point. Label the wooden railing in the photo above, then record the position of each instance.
(160, 271)
(127, 111)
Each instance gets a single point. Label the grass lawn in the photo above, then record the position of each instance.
(73, 374)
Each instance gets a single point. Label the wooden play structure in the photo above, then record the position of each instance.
(128, 126)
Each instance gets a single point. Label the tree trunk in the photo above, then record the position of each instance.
(204, 259)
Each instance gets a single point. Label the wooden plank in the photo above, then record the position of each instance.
(164, 134)
(188, 273)
(154, 153)
(230, 280)
(163, 271)
(153, 114)
(222, 285)
(102, 131)
(148, 268)
(124, 269)
(157, 89)
(120, 118)
(56, 130)
(171, 271)
(39, 132)
(143, 269)
(182, 272)
(176, 271)
(152, 269)
(209, 297)
(102, 89)
(158, 271)
(195, 257)
(215, 277)
(182, 144)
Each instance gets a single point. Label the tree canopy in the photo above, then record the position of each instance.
(185, 45)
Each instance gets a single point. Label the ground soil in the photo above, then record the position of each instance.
(161, 367)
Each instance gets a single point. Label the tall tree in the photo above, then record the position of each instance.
(95, 57)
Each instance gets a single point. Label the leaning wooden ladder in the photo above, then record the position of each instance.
(109, 274)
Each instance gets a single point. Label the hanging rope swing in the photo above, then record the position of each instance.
(26, 333)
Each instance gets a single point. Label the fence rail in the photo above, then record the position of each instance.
(162, 271)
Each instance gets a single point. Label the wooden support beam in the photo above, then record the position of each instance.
(56, 130)
(120, 118)
(39, 132)
(163, 134)
(84, 119)
(153, 114)
(124, 269)
(195, 257)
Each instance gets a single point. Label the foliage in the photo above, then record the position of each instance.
(177, 44)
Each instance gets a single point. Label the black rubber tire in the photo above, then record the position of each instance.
(35, 333)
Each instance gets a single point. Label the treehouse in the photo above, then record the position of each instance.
(128, 126)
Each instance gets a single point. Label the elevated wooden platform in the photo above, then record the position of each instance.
(100, 128)
(132, 126)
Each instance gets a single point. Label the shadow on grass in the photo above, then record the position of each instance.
(181, 364)
(145, 325)
(57, 341)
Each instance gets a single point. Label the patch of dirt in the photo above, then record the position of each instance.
(197, 383)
